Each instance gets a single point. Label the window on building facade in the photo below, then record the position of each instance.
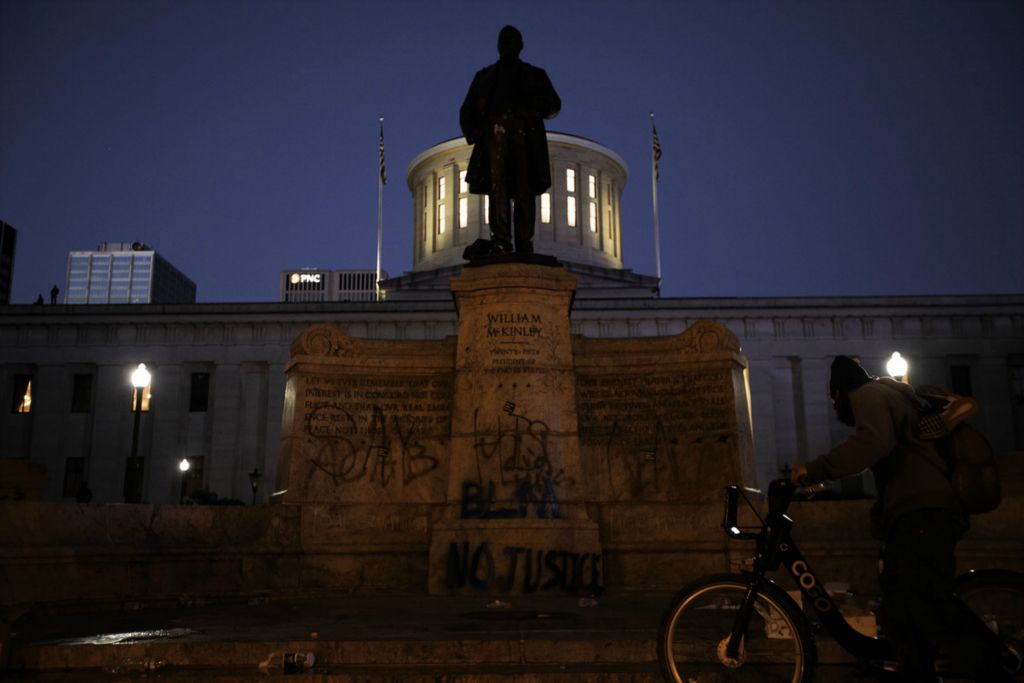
(441, 196)
(81, 393)
(608, 199)
(425, 208)
(21, 401)
(78, 280)
(120, 280)
(545, 207)
(960, 380)
(199, 393)
(487, 209)
(592, 195)
(463, 200)
(570, 200)
(74, 474)
(1017, 383)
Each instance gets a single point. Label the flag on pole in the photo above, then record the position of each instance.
(655, 149)
(383, 170)
(380, 207)
(655, 156)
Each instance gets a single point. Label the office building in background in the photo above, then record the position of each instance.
(314, 284)
(8, 239)
(125, 273)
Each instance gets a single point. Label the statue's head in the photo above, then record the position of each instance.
(510, 42)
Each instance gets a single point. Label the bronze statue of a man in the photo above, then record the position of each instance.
(503, 118)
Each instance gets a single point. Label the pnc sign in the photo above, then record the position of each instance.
(297, 278)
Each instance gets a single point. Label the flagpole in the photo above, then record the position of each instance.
(655, 153)
(380, 207)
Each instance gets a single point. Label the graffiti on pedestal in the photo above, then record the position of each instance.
(515, 450)
(382, 431)
(523, 569)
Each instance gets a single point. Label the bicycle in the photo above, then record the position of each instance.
(733, 627)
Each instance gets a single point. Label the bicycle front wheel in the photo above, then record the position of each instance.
(777, 647)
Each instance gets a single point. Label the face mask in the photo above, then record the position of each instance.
(841, 404)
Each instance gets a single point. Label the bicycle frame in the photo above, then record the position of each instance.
(775, 549)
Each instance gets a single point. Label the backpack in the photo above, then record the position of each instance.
(970, 462)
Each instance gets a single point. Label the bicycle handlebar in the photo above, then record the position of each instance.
(780, 494)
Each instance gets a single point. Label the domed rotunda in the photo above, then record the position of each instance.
(578, 219)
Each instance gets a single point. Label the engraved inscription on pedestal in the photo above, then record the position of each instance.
(669, 421)
(386, 431)
(366, 421)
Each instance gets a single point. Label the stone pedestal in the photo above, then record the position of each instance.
(516, 518)
(486, 463)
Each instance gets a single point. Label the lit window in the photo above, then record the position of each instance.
(22, 398)
(570, 201)
(593, 216)
(545, 207)
(441, 195)
(487, 209)
(591, 187)
(463, 200)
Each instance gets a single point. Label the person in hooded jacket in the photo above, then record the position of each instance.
(503, 118)
(918, 517)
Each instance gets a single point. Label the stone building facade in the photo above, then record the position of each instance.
(218, 374)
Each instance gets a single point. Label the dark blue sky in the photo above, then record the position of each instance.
(810, 148)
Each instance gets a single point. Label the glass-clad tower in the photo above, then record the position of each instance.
(8, 238)
(125, 273)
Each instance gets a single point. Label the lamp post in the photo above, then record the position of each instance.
(140, 378)
(184, 466)
(897, 367)
(254, 482)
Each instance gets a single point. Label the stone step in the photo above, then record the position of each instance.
(368, 640)
(356, 675)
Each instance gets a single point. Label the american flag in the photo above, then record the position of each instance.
(655, 150)
(383, 170)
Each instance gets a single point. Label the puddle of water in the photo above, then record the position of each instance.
(128, 637)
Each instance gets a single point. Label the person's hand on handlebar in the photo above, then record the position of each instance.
(799, 477)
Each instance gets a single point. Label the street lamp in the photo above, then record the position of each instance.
(897, 367)
(254, 482)
(184, 466)
(141, 378)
